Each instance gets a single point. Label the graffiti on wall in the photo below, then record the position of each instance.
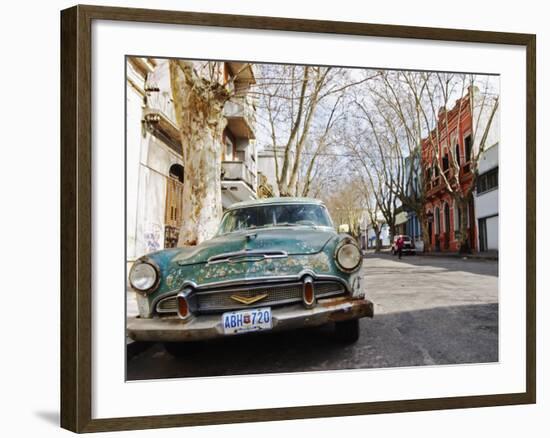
(153, 237)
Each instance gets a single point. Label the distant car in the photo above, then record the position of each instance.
(408, 245)
(275, 264)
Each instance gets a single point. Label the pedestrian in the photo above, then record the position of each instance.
(400, 242)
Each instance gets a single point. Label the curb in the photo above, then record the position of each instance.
(442, 255)
(459, 256)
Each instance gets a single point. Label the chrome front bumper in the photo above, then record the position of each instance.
(201, 327)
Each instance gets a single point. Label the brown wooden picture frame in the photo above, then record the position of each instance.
(76, 217)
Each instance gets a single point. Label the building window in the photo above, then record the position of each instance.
(229, 151)
(446, 218)
(468, 149)
(457, 154)
(487, 181)
(457, 219)
(446, 162)
(176, 172)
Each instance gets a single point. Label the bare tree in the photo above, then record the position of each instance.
(346, 205)
(369, 150)
(394, 103)
(199, 99)
(408, 114)
(301, 104)
(372, 211)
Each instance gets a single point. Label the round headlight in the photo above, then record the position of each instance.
(348, 257)
(143, 276)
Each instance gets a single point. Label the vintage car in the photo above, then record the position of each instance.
(274, 264)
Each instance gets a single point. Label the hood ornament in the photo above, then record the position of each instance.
(248, 300)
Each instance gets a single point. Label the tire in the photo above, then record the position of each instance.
(347, 332)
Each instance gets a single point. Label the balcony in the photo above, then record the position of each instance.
(238, 182)
(241, 117)
(242, 71)
(237, 171)
(159, 118)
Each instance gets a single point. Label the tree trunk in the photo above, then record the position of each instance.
(392, 231)
(199, 105)
(423, 221)
(378, 241)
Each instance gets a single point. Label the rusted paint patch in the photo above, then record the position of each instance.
(348, 308)
(330, 302)
(318, 263)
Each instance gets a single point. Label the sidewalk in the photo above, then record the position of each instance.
(486, 255)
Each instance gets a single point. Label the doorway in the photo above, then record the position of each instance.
(437, 218)
(483, 234)
(447, 219)
(173, 207)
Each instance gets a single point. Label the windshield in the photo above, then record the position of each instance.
(275, 215)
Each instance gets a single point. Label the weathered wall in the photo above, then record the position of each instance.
(153, 171)
(133, 146)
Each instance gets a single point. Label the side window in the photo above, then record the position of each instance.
(445, 161)
(487, 181)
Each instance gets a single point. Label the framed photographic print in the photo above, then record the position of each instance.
(268, 218)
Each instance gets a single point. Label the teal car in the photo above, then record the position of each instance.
(274, 264)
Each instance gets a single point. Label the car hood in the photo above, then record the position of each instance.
(298, 240)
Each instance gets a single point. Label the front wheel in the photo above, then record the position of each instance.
(347, 332)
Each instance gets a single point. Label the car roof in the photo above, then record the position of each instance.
(275, 201)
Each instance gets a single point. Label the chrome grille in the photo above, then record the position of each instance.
(167, 305)
(220, 299)
(217, 300)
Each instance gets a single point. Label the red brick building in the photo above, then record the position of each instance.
(443, 215)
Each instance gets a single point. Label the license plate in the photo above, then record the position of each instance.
(249, 320)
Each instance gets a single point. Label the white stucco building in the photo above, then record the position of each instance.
(368, 235)
(486, 191)
(266, 164)
(384, 236)
(486, 200)
(154, 165)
